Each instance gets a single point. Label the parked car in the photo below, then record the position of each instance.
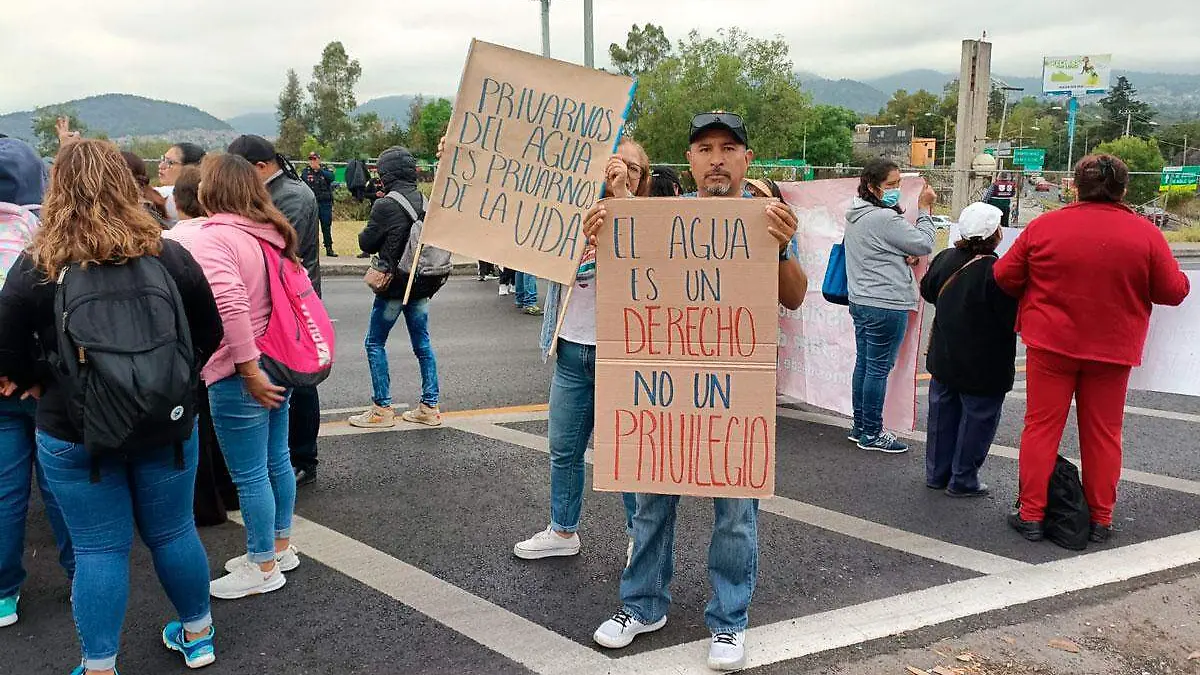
(942, 222)
(1042, 187)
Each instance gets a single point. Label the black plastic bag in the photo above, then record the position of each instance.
(1068, 520)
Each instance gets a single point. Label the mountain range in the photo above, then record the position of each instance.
(1174, 96)
(124, 116)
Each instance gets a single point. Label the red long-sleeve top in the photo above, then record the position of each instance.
(1086, 276)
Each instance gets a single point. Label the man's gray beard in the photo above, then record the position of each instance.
(720, 190)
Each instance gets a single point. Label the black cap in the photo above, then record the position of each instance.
(719, 120)
(253, 148)
(313, 155)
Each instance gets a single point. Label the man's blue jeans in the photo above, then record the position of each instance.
(732, 562)
(527, 291)
(384, 314)
(572, 417)
(18, 463)
(878, 334)
(254, 441)
(150, 491)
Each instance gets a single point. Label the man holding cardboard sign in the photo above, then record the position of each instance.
(712, 326)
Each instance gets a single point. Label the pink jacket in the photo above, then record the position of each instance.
(227, 249)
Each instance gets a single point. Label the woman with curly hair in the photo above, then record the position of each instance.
(93, 218)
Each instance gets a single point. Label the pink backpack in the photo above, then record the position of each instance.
(298, 347)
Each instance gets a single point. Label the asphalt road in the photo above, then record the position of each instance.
(406, 537)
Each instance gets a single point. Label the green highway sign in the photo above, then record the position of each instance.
(1179, 179)
(1031, 159)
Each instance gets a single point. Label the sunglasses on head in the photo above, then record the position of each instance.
(731, 120)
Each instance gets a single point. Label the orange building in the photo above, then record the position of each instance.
(924, 152)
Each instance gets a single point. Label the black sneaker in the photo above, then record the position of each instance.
(1100, 533)
(981, 491)
(305, 476)
(364, 255)
(330, 253)
(1028, 529)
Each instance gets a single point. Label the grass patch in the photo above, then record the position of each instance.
(345, 236)
(1184, 235)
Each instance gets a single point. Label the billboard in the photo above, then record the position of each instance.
(1076, 75)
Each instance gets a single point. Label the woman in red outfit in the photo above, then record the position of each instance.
(1086, 277)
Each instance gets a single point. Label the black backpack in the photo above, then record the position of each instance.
(125, 358)
(1068, 519)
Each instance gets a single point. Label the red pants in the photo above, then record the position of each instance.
(1099, 390)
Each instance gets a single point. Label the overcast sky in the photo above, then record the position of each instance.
(230, 56)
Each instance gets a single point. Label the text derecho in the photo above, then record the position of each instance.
(524, 160)
(687, 291)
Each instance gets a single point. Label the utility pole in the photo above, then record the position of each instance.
(945, 137)
(589, 58)
(975, 77)
(546, 28)
(1128, 121)
(804, 151)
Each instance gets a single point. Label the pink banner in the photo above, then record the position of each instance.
(816, 342)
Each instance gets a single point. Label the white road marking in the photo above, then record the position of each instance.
(1134, 410)
(851, 526)
(533, 646)
(847, 626)
(1190, 487)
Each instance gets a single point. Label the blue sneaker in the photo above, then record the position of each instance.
(883, 442)
(8, 610)
(855, 435)
(196, 654)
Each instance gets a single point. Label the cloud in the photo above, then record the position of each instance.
(231, 56)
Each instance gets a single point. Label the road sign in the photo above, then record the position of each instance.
(1001, 149)
(1031, 159)
(1179, 179)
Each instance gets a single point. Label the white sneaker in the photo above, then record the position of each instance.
(376, 418)
(620, 630)
(728, 651)
(547, 544)
(503, 290)
(247, 580)
(286, 560)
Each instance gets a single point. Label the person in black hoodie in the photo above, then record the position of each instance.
(972, 354)
(387, 235)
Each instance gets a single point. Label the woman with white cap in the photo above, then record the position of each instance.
(972, 354)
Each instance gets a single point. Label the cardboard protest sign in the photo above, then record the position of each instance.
(686, 304)
(816, 342)
(1171, 361)
(524, 160)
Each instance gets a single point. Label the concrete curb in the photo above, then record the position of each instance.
(1187, 251)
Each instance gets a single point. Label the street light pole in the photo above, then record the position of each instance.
(546, 28)
(589, 58)
(945, 137)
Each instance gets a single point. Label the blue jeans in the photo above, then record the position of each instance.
(572, 417)
(416, 317)
(526, 285)
(961, 431)
(18, 463)
(878, 334)
(150, 491)
(732, 561)
(254, 441)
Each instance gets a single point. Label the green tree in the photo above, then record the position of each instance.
(830, 131)
(1172, 139)
(44, 121)
(292, 135)
(432, 123)
(732, 71)
(907, 111)
(332, 94)
(377, 136)
(1122, 107)
(311, 144)
(1141, 155)
(291, 101)
(644, 49)
(416, 140)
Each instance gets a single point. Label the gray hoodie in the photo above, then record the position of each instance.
(877, 241)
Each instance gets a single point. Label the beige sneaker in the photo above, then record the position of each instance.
(375, 418)
(430, 416)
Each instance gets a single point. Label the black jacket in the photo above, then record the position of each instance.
(299, 206)
(973, 347)
(389, 225)
(320, 182)
(27, 321)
